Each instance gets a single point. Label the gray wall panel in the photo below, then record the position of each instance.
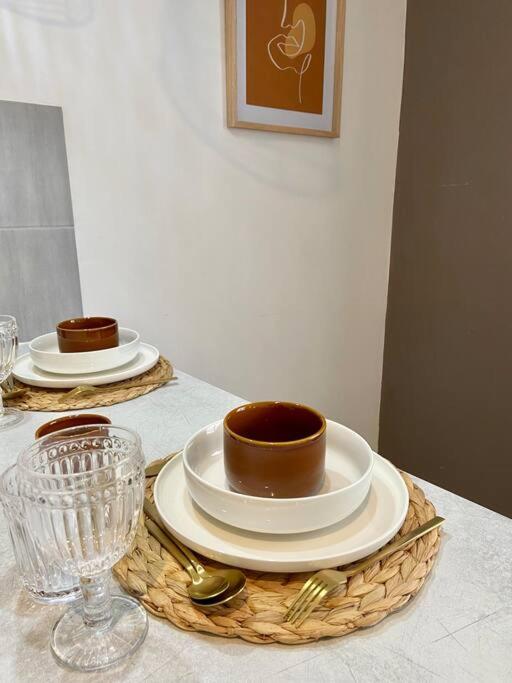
(446, 387)
(34, 181)
(39, 282)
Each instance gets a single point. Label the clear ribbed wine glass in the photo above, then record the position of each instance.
(85, 497)
(8, 347)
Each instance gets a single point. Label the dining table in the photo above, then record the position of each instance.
(458, 627)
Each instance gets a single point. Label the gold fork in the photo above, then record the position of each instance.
(326, 580)
(87, 389)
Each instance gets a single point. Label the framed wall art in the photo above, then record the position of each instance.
(284, 61)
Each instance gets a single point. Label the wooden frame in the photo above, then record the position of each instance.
(234, 120)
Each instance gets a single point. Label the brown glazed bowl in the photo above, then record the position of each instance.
(78, 420)
(87, 334)
(274, 449)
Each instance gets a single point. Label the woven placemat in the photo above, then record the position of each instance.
(40, 398)
(150, 573)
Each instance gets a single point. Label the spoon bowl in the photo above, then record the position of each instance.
(236, 581)
(207, 586)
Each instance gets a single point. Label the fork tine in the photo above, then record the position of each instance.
(311, 606)
(307, 601)
(298, 599)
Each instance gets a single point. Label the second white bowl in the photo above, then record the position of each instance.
(349, 463)
(45, 354)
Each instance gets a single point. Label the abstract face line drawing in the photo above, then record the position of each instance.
(284, 65)
(297, 41)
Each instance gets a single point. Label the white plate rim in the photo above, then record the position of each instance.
(138, 365)
(276, 564)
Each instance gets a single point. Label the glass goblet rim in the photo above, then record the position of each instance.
(74, 436)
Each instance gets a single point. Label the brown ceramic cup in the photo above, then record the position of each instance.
(87, 334)
(274, 449)
(79, 420)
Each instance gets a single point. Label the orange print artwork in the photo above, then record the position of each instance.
(285, 52)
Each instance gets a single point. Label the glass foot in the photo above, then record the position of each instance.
(10, 417)
(83, 648)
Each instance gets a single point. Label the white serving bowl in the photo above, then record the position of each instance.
(349, 463)
(45, 354)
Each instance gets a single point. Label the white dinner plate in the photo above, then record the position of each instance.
(27, 372)
(370, 527)
(46, 356)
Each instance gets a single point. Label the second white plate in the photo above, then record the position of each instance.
(370, 527)
(27, 372)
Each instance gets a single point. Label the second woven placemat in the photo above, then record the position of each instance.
(150, 573)
(55, 400)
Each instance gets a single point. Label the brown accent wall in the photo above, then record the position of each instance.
(446, 411)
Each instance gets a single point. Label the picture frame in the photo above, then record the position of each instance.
(284, 65)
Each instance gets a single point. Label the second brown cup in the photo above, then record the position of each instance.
(84, 420)
(87, 334)
(274, 449)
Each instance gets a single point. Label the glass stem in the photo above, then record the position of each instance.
(97, 600)
(1, 402)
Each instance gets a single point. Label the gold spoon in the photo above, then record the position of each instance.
(235, 578)
(86, 389)
(14, 393)
(205, 586)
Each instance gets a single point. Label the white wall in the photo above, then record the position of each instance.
(256, 261)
